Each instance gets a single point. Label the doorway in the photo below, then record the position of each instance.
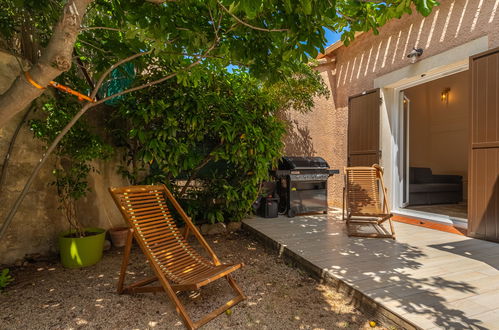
(435, 134)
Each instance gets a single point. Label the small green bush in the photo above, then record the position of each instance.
(222, 132)
(5, 279)
(74, 154)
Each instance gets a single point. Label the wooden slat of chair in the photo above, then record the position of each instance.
(177, 266)
(362, 203)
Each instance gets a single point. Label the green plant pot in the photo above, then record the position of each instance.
(84, 251)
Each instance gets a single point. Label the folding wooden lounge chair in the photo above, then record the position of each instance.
(177, 266)
(362, 204)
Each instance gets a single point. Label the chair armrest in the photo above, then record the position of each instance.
(443, 178)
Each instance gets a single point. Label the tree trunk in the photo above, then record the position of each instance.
(55, 59)
(195, 172)
(209, 157)
(3, 174)
(88, 105)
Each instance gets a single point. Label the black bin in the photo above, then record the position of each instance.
(269, 207)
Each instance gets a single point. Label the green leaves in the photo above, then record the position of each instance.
(180, 32)
(354, 16)
(5, 279)
(218, 129)
(169, 131)
(306, 6)
(79, 147)
(425, 6)
(222, 132)
(266, 37)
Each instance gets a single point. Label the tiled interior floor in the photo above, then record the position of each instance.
(431, 278)
(452, 210)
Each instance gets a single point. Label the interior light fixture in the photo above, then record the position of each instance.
(415, 54)
(444, 95)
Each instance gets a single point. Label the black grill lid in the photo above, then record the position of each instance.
(302, 163)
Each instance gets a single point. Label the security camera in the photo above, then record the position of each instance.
(415, 54)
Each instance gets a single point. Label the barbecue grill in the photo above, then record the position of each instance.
(302, 184)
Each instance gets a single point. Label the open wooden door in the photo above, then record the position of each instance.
(363, 129)
(406, 107)
(483, 191)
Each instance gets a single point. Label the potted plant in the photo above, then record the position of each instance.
(79, 246)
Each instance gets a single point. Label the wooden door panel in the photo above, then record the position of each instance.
(363, 160)
(363, 129)
(484, 201)
(483, 194)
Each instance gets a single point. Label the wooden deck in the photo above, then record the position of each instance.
(428, 278)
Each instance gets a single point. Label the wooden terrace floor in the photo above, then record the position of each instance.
(430, 279)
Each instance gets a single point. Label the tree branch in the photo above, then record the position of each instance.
(13, 140)
(247, 24)
(83, 70)
(85, 108)
(195, 172)
(111, 68)
(158, 2)
(100, 28)
(152, 83)
(39, 166)
(96, 47)
(55, 59)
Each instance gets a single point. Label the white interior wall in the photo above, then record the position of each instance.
(439, 130)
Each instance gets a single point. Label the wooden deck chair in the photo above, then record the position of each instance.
(177, 266)
(362, 204)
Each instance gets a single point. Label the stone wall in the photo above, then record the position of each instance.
(351, 70)
(38, 222)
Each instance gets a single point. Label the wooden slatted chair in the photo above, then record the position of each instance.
(363, 204)
(177, 266)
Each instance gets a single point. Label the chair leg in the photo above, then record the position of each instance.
(391, 228)
(381, 231)
(137, 286)
(237, 299)
(389, 219)
(124, 262)
(179, 307)
(186, 232)
(347, 218)
(167, 288)
(343, 207)
(235, 286)
(188, 322)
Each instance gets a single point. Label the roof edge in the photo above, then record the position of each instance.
(331, 48)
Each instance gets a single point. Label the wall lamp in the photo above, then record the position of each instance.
(415, 54)
(444, 95)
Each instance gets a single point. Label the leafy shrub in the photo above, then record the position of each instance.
(73, 155)
(5, 279)
(222, 132)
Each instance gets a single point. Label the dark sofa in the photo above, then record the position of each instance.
(428, 188)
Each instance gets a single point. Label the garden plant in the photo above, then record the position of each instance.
(74, 155)
(270, 39)
(5, 279)
(223, 133)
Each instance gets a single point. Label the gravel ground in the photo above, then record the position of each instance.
(47, 296)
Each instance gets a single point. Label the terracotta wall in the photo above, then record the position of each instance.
(321, 132)
(38, 222)
(438, 135)
(351, 70)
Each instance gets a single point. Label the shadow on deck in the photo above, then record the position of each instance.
(424, 279)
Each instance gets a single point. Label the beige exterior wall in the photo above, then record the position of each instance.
(36, 226)
(353, 69)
